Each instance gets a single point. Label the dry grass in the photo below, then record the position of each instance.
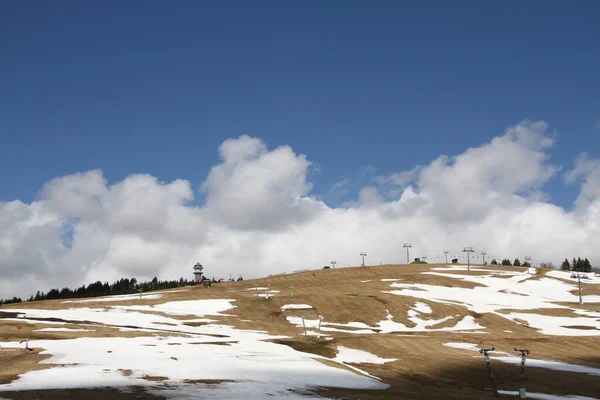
(425, 368)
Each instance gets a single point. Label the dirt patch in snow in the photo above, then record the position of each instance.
(16, 361)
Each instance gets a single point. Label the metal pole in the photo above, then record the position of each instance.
(522, 392)
(489, 367)
(446, 253)
(579, 281)
(304, 325)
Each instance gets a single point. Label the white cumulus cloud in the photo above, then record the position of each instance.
(261, 217)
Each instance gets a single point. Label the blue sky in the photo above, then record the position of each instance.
(155, 87)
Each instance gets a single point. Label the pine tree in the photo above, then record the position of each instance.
(506, 261)
(565, 266)
(494, 262)
(517, 263)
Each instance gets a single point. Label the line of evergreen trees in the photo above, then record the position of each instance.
(577, 265)
(506, 261)
(122, 286)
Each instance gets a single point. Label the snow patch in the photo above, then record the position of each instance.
(422, 308)
(542, 396)
(462, 346)
(296, 307)
(346, 355)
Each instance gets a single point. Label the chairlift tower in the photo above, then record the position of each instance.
(363, 255)
(446, 254)
(333, 264)
(468, 250)
(483, 253)
(408, 246)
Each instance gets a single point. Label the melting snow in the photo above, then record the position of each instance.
(516, 292)
(422, 308)
(531, 362)
(244, 356)
(296, 307)
(462, 346)
(389, 326)
(542, 396)
(95, 362)
(549, 325)
(28, 321)
(187, 307)
(126, 297)
(592, 278)
(347, 355)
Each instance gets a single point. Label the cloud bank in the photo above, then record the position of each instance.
(260, 217)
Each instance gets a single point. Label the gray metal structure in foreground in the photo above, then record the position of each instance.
(489, 367)
(522, 392)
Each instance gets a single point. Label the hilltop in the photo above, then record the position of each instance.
(391, 331)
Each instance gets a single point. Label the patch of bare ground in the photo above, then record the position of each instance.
(584, 327)
(126, 372)
(427, 369)
(16, 361)
(206, 381)
(151, 378)
(17, 330)
(595, 307)
(195, 324)
(310, 344)
(551, 312)
(215, 343)
(587, 290)
(129, 393)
